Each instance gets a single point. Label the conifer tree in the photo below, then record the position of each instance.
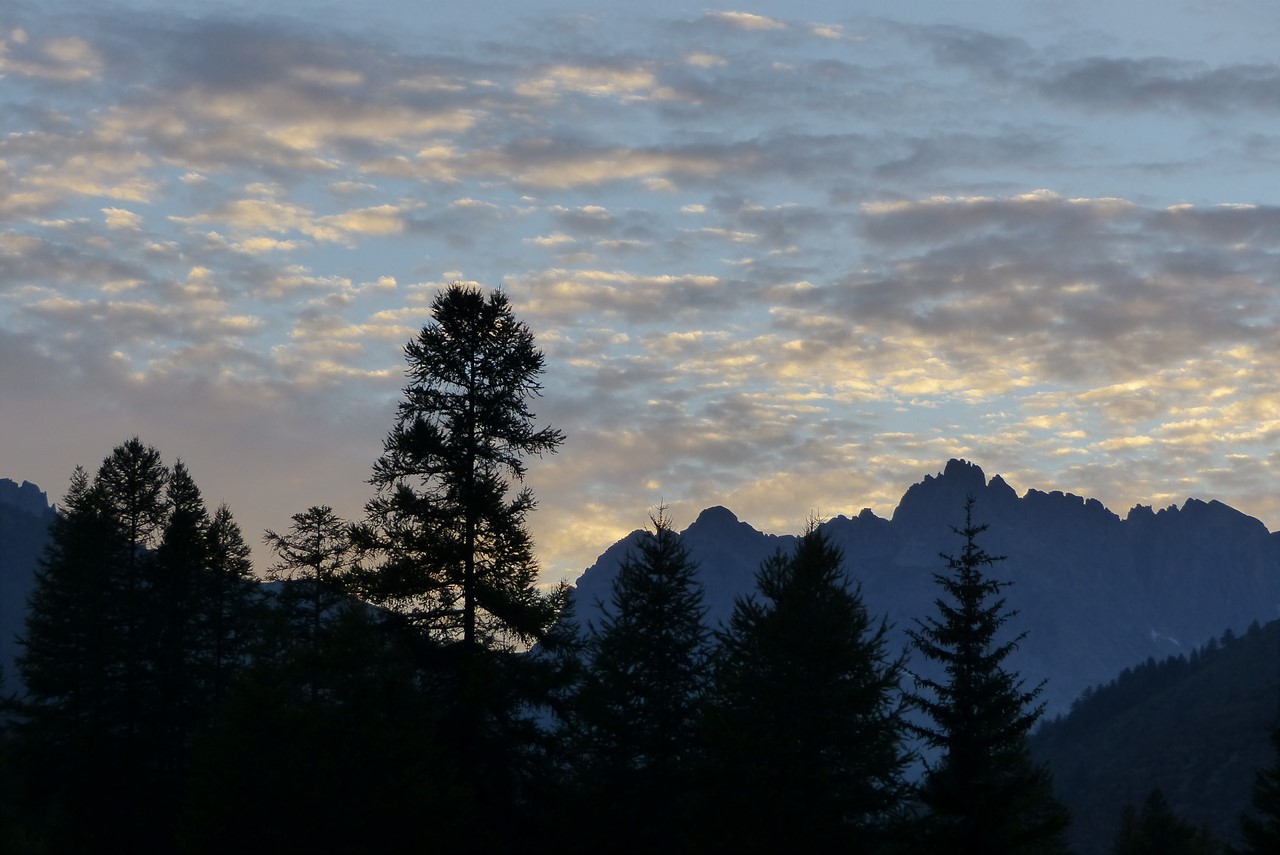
(456, 556)
(1261, 833)
(984, 794)
(805, 727)
(174, 589)
(139, 615)
(232, 607)
(1156, 830)
(445, 546)
(636, 712)
(313, 557)
(90, 657)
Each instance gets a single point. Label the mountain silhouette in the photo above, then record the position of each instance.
(1094, 592)
(25, 516)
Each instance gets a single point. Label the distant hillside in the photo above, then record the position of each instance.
(1095, 592)
(1195, 726)
(25, 515)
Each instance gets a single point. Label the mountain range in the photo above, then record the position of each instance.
(1093, 591)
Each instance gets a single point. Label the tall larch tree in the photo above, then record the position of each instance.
(984, 794)
(455, 555)
(445, 546)
(807, 743)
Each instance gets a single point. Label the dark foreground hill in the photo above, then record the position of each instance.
(1095, 592)
(1195, 726)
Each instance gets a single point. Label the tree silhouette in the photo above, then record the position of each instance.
(1156, 830)
(456, 556)
(984, 793)
(313, 558)
(445, 548)
(1261, 833)
(139, 617)
(635, 718)
(805, 734)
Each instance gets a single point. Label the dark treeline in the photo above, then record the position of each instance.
(402, 683)
(1177, 741)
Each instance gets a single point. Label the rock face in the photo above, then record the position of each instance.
(25, 515)
(1094, 593)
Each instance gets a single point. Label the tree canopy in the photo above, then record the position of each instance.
(455, 555)
(805, 736)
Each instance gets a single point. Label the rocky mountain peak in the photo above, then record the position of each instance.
(25, 497)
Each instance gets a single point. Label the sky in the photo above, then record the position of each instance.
(786, 258)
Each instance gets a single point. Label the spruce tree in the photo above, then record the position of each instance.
(178, 574)
(635, 717)
(984, 794)
(91, 659)
(138, 618)
(1157, 830)
(232, 604)
(805, 728)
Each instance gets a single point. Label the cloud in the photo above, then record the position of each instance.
(1155, 83)
(63, 59)
(120, 218)
(746, 20)
(246, 216)
(789, 279)
(625, 84)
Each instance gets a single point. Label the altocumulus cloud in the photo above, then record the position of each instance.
(783, 263)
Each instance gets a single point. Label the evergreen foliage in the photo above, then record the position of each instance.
(1261, 832)
(337, 750)
(1194, 726)
(636, 712)
(314, 558)
(456, 556)
(984, 794)
(1156, 830)
(137, 621)
(445, 546)
(805, 729)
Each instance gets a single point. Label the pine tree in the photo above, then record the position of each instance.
(457, 557)
(984, 794)
(806, 731)
(636, 712)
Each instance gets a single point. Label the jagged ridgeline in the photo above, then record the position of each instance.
(1095, 592)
